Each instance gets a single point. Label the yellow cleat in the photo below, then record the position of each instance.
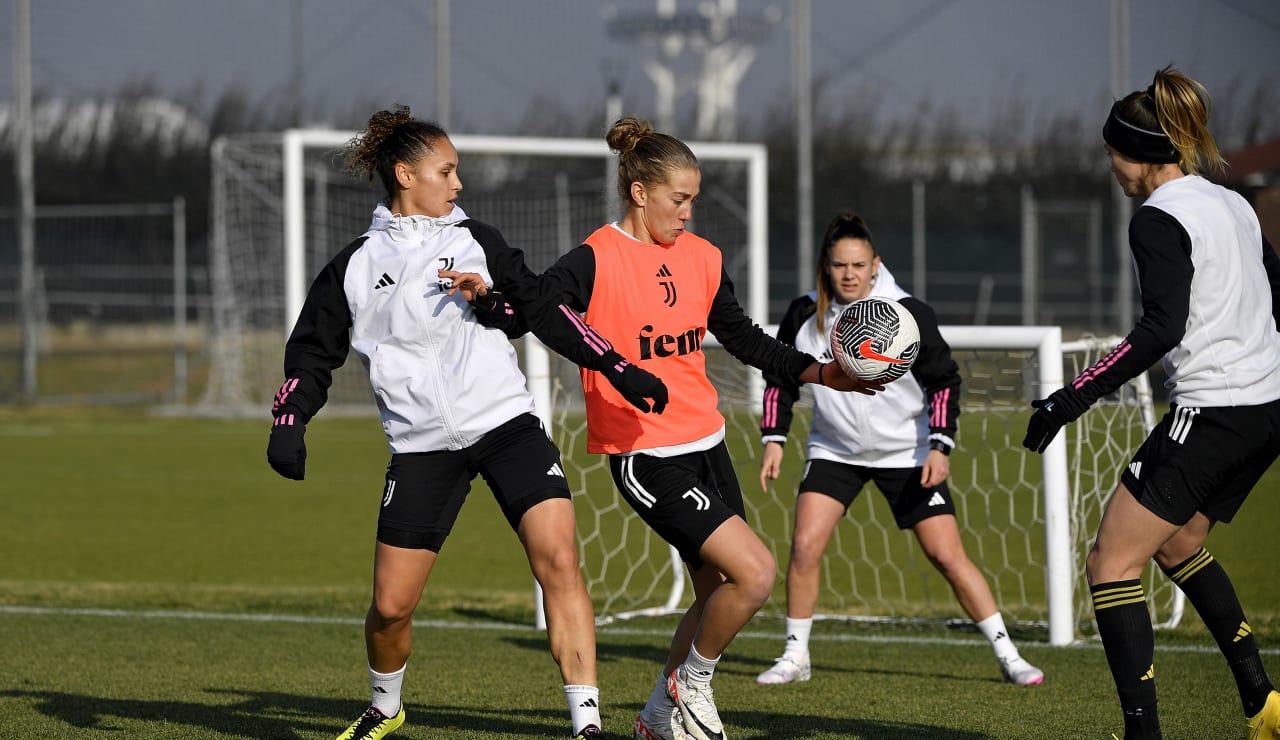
(373, 725)
(1265, 725)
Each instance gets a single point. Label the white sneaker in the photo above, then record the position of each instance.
(787, 669)
(696, 705)
(669, 729)
(1019, 671)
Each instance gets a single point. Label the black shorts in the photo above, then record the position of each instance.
(684, 498)
(424, 491)
(1204, 460)
(910, 502)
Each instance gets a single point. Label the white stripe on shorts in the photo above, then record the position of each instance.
(1181, 427)
(633, 486)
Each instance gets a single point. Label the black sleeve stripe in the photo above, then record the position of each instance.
(320, 340)
(781, 391)
(746, 341)
(541, 300)
(574, 277)
(935, 370)
(1164, 281)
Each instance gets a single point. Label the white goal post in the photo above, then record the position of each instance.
(1065, 532)
(1047, 343)
(296, 141)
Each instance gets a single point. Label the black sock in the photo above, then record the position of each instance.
(1120, 608)
(1142, 724)
(1209, 590)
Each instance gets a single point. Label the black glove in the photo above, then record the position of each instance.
(1062, 407)
(486, 305)
(493, 312)
(286, 452)
(636, 384)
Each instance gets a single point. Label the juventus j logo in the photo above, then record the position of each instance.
(668, 285)
(388, 493)
(446, 263)
(700, 500)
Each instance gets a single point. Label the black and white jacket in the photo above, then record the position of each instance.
(893, 428)
(440, 378)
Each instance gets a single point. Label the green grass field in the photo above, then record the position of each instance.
(157, 579)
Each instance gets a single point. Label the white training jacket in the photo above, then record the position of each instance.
(891, 429)
(441, 380)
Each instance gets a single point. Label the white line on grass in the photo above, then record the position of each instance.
(506, 626)
(14, 430)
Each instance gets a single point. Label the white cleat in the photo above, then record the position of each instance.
(787, 669)
(696, 706)
(1019, 671)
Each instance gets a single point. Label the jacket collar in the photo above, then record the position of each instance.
(412, 227)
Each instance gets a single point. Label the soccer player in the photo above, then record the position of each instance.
(646, 276)
(1210, 286)
(453, 404)
(900, 439)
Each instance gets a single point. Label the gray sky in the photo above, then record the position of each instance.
(1055, 55)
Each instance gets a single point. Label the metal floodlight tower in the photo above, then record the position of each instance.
(725, 39)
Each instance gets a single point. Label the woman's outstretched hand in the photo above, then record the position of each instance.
(833, 376)
(470, 283)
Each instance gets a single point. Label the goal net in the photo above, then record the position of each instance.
(282, 208)
(1027, 520)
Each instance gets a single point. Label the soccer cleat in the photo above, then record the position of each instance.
(588, 732)
(1265, 725)
(1019, 671)
(668, 730)
(696, 705)
(786, 670)
(372, 725)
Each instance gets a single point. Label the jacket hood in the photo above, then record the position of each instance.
(886, 286)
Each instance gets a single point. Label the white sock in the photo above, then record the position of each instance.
(699, 669)
(584, 706)
(386, 690)
(798, 637)
(658, 709)
(993, 627)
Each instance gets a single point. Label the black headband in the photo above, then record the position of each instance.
(1137, 143)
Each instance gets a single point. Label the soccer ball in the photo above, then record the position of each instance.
(875, 339)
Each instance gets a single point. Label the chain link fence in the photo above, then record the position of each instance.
(118, 310)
